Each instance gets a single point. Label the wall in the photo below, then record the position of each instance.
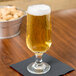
(55, 4)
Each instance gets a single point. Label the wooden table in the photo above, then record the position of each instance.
(63, 48)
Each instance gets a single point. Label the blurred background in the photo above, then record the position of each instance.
(55, 4)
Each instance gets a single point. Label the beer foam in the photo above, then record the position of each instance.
(39, 10)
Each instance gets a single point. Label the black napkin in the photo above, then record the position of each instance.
(57, 67)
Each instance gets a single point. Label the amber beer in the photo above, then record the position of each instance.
(38, 36)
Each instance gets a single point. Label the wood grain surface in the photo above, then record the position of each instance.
(63, 48)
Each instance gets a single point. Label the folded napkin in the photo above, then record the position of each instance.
(58, 68)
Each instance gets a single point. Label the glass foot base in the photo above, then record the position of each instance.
(38, 69)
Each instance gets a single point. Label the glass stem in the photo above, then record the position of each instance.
(38, 63)
(38, 59)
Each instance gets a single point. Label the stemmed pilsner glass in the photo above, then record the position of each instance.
(38, 36)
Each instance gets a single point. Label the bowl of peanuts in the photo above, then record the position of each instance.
(10, 21)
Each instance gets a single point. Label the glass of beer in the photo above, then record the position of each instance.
(38, 36)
